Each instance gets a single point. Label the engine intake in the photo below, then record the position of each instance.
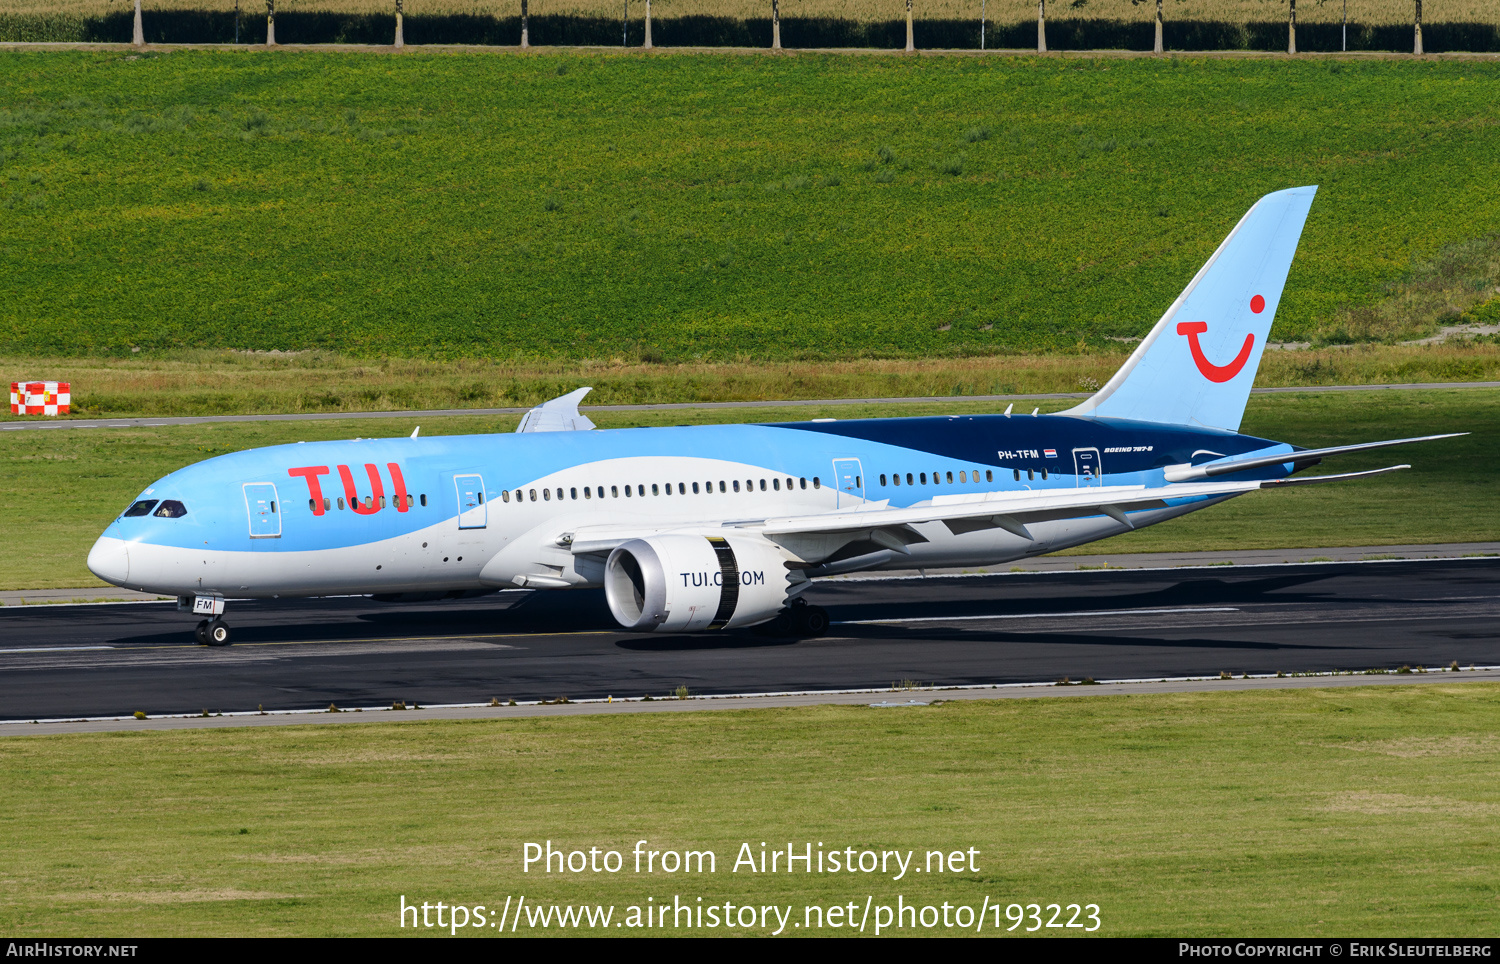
(687, 583)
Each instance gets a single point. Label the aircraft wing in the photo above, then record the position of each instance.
(558, 415)
(892, 528)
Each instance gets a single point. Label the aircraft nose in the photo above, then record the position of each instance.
(110, 560)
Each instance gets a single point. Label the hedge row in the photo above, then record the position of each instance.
(214, 26)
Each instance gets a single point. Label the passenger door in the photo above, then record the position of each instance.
(471, 510)
(851, 483)
(263, 509)
(1088, 468)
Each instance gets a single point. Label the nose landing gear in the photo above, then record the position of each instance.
(212, 632)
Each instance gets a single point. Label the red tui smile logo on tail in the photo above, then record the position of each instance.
(1212, 372)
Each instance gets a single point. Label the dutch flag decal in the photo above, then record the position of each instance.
(1050, 453)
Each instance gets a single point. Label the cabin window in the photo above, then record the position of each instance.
(588, 493)
(479, 494)
(682, 488)
(312, 505)
(776, 484)
(424, 500)
(614, 492)
(1044, 475)
(142, 507)
(736, 485)
(789, 485)
(533, 495)
(341, 503)
(546, 495)
(749, 485)
(382, 503)
(573, 493)
(989, 475)
(172, 509)
(721, 486)
(1017, 473)
(803, 483)
(882, 478)
(923, 478)
(961, 476)
(695, 488)
(949, 477)
(325, 504)
(817, 482)
(654, 489)
(628, 493)
(505, 496)
(1030, 475)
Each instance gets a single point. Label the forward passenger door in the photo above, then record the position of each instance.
(472, 513)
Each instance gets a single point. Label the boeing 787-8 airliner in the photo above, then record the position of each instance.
(714, 527)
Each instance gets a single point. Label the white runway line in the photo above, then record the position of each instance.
(1054, 615)
(50, 649)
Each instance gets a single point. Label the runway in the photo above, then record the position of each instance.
(115, 659)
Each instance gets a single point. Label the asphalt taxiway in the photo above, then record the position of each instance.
(974, 630)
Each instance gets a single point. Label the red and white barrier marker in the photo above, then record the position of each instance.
(40, 398)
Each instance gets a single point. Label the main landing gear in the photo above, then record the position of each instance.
(213, 632)
(797, 620)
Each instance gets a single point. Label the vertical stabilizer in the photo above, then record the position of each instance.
(1199, 362)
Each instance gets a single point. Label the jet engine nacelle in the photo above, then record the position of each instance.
(686, 583)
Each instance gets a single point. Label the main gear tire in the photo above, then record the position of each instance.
(810, 621)
(218, 633)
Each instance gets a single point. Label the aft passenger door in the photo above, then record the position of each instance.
(851, 481)
(471, 510)
(265, 514)
(1087, 467)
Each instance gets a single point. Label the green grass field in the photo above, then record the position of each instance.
(236, 383)
(1363, 811)
(704, 207)
(1448, 496)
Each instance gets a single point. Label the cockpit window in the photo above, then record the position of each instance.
(140, 508)
(171, 509)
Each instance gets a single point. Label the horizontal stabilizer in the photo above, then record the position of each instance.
(1191, 473)
(1315, 479)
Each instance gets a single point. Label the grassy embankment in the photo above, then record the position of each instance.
(1448, 496)
(705, 208)
(1319, 813)
(235, 383)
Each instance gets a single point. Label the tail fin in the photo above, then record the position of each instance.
(1199, 362)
